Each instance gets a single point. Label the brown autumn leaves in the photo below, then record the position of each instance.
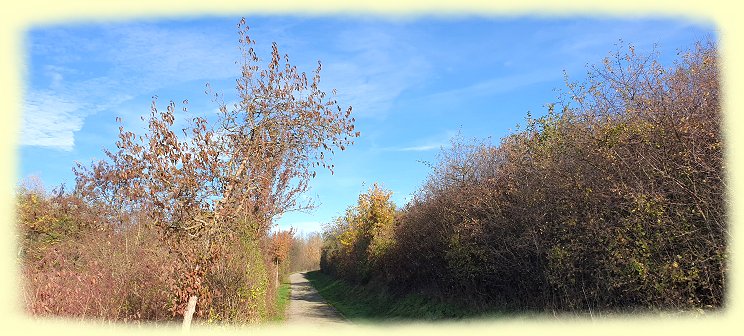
(203, 197)
(236, 173)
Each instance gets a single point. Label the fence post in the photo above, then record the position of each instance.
(189, 313)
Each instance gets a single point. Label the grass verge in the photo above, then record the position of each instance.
(282, 301)
(371, 303)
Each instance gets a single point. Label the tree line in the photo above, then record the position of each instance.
(614, 200)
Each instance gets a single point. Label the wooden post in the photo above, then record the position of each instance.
(189, 313)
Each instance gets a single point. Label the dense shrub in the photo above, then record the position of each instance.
(72, 268)
(615, 199)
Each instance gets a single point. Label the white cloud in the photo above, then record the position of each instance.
(50, 120)
(373, 70)
(420, 148)
(433, 142)
(495, 85)
(52, 116)
(159, 56)
(55, 76)
(135, 60)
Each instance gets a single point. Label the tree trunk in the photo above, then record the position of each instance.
(276, 273)
(189, 313)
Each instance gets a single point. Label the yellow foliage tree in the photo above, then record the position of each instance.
(357, 241)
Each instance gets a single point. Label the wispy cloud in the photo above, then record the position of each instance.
(433, 142)
(129, 60)
(493, 86)
(51, 117)
(374, 68)
(50, 120)
(158, 56)
(419, 148)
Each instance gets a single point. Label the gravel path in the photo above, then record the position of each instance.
(307, 306)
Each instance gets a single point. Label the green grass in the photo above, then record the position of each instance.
(373, 303)
(282, 301)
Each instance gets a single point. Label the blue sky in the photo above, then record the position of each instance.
(413, 83)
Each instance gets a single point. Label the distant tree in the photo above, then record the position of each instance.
(357, 242)
(281, 244)
(305, 252)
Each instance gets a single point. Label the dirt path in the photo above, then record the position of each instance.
(307, 306)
